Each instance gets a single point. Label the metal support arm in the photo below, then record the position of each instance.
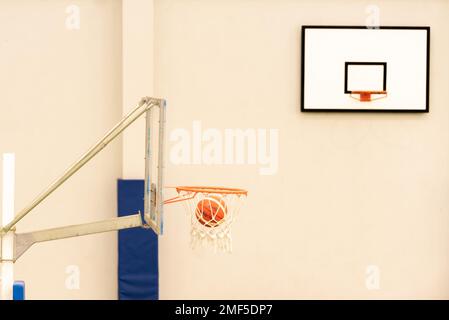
(23, 241)
(144, 105)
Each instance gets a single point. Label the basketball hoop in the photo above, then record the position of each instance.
(212, 211)
(365, 96)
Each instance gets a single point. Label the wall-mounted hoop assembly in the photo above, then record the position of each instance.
(155, 110)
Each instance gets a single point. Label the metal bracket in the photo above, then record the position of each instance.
(153, 196)
(149, 222)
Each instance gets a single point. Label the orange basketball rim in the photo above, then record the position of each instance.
(212, 211)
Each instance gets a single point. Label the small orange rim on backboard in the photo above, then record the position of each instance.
(365, 96)
(192, 191)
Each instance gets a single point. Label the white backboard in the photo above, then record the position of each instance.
(339, 59)
(154, 167)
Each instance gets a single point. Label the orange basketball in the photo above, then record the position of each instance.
(210, 211)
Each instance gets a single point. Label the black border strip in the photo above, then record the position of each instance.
(233, 309)
(303, 36)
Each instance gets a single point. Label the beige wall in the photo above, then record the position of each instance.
(352, 190)
(137, 81)
(60, 92)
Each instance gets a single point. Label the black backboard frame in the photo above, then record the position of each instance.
(303, 71)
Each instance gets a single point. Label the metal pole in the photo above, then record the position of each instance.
(144, 105)
(7, 240)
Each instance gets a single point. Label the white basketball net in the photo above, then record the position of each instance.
(211, 216)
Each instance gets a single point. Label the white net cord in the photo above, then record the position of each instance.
(211, 217)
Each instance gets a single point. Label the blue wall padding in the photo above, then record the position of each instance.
(18, 290)
(138, 277)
